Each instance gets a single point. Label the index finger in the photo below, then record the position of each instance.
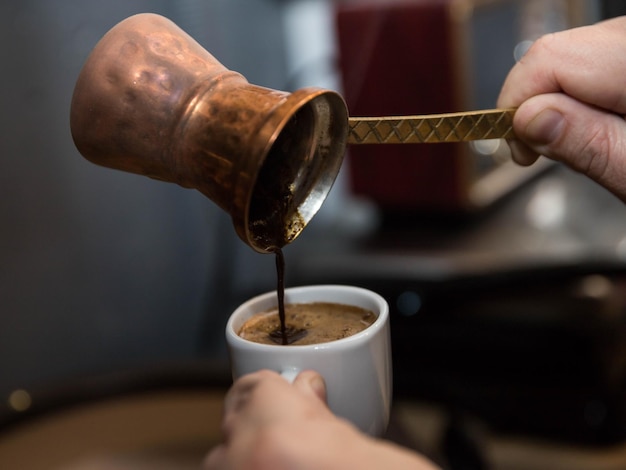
(579, 62)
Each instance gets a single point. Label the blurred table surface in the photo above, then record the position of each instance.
(173, 426)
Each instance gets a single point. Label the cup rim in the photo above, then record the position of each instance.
(382, 315)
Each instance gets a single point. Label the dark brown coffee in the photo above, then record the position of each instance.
(308, 323)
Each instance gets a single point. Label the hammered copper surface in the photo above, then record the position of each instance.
(151, 100)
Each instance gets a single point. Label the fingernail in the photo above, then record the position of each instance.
(319, 386)
(545, 127)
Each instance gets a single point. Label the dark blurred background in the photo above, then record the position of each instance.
(506, 284)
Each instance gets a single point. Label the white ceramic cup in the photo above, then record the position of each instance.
(357, 369)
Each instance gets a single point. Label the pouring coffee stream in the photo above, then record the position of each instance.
(150, 100)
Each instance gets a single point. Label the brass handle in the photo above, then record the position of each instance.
(432, 128)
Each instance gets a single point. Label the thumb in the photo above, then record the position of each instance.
(311, 382)
(586, 138)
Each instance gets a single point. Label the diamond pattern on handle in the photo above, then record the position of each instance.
(453, 127)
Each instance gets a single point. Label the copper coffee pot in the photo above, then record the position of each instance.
(150, 100)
